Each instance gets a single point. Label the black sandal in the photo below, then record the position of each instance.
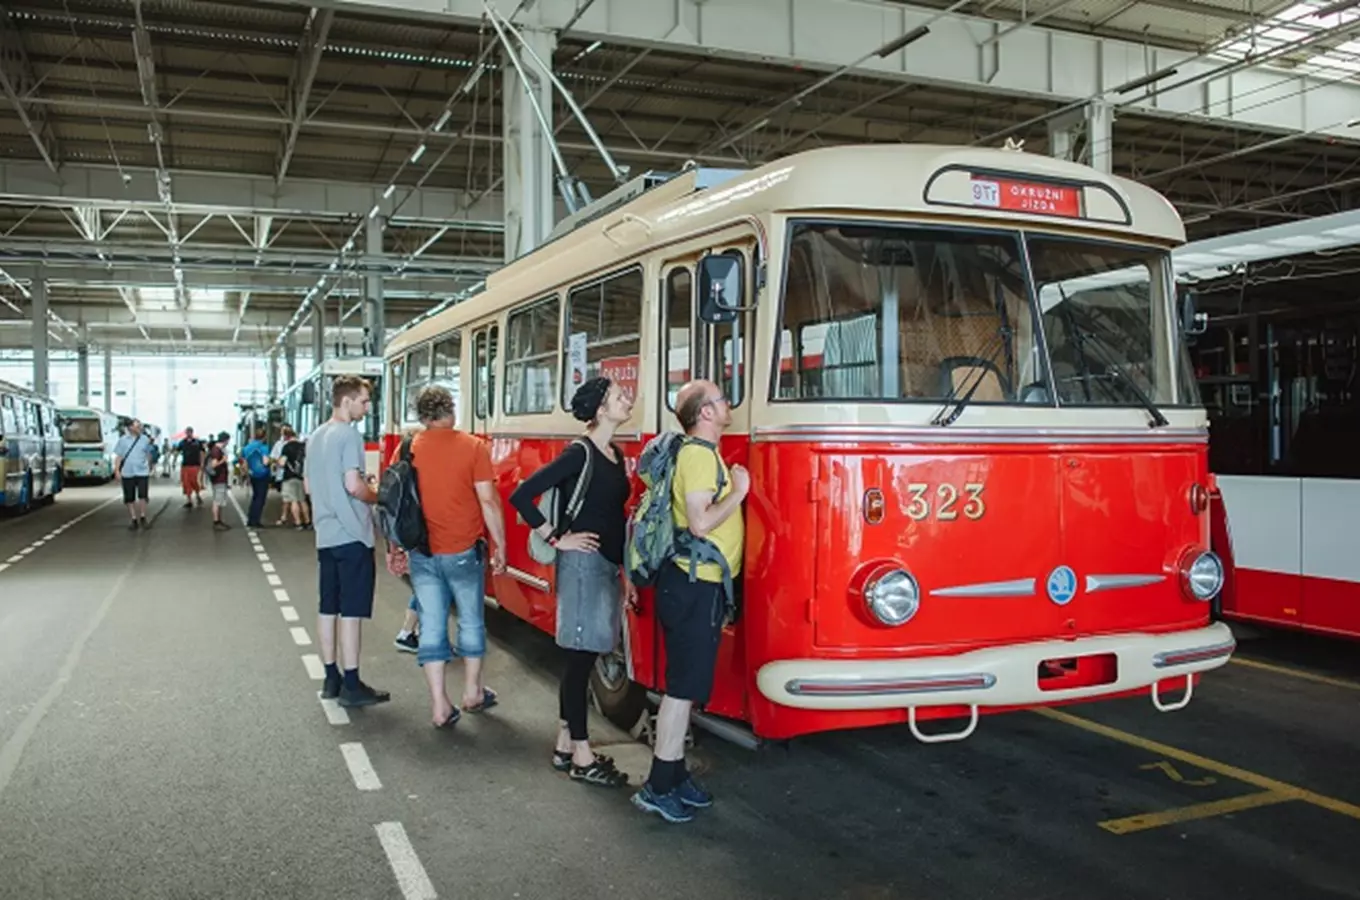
(562, 761)
(601, 772)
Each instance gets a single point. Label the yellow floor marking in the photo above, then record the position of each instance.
(1296, 673)
(1272, 785)
(1130, 824)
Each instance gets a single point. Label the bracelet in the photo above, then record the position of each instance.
(552, 541)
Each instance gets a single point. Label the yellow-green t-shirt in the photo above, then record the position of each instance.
(696, 469)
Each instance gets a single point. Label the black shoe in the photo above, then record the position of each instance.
(188, 504)
(408, 644)
(132, 526)
(146, 526)
(363, 695)
(330, 688)
(221, 526)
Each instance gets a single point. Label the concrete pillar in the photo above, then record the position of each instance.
(273, 376)
(171, 423)
(289, 362)
(1095, 123)
(318, 333)
(1100, 137)
(108, 380)
(528, 164)
(39, 301)
(375, 309)
(83, 366)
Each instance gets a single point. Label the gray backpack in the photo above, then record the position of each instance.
(539, 549)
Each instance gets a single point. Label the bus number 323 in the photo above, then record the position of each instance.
(947, 497)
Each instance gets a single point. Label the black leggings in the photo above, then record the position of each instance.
(572, 696)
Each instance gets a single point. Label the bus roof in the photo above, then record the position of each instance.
(1006, 186)
(8, 387)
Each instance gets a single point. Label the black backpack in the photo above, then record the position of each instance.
(399, 514)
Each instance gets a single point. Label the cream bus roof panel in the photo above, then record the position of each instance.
(888, 178)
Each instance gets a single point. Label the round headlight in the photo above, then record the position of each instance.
(893, 598)
(1204, 576)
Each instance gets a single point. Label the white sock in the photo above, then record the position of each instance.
(403, 634)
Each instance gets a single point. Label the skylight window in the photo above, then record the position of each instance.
(1298, 23)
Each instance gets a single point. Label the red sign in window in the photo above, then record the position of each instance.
(1026, 196)
(623, 371)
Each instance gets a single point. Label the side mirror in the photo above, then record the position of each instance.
(309, 392)
(1192, 321)
(721, 288)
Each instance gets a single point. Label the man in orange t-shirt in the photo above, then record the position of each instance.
(458, 498)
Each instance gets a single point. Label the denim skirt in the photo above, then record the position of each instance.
(589, 601)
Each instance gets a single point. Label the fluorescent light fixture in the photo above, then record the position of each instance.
(390, 188)
(372, 212)
(910, 37)
(420, 151)
(476, 77)
(1303, 242)
(443, 119)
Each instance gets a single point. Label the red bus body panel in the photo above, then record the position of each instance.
(1098, 509)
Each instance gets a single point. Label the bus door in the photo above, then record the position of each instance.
(720, 351)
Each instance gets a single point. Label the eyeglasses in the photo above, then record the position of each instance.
(713, 401)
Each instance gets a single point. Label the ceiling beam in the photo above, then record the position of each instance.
(300, 84)
(97, 277)
(16, 75)
(227, 193)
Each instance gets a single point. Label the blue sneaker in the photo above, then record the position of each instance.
(667, 806)
(691, 793)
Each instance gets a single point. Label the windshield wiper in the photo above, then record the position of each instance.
(1097, 342)
(1001, 341)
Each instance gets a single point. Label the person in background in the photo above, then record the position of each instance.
(408, 638)
(292, 458)
(190, 452)
(255, 455)
(219, 476)
(333, 476)
(458, 498)
(591, 586)
(133, 457)
(691, 612)
(276, 471)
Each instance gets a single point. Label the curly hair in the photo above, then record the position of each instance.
(434, 403)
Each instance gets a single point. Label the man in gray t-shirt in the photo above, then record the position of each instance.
(132, 469)
(341, 493)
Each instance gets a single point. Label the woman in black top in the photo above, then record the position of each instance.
(589, 561)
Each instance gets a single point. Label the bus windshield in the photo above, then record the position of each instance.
(913, 313)
(81, 431)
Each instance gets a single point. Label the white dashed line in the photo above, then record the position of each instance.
(289, 614)
(40, 542)
(315, 669)
(301, 637)
(280, 595)
(262, 557)
(26, 551)
(360, 769)
(4, 566)
(14, 559)
(268, 567)
(411, 877)
(275, 580)
(335, 713)
(18, 557)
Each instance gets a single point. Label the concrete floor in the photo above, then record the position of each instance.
(161, 736)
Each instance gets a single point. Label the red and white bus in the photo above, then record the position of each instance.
(978, 458)
(307, 403)
(1282, 395)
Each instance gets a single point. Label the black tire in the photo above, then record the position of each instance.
(622, 701)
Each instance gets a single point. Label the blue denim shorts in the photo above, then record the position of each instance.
(442, 582)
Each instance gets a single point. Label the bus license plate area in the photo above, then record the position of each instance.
(1064, 673)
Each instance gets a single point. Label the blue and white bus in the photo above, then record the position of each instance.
(30, 448)
(89, 436)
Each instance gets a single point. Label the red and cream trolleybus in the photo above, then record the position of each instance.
(977, 455)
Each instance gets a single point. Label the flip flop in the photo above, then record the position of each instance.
(451, 721)
(489, 700)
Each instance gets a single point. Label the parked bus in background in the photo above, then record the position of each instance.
(88, 437)
(307, 403)
(30, 448)
(957, 380)
(1283, 400)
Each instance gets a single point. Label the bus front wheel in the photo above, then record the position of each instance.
(622, 701)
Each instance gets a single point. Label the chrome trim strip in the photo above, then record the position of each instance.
(526, 578)
(1112, 582)
(927, 684)
(1170, 658)
(961, 435)
(1020, 587)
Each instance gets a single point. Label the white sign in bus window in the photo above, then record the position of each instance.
(576, 355)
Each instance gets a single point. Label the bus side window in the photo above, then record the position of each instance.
(729, 345)
(395, 380)
(605, 317)
(679, 330)
(448, 368)
(7, 414)
(484, 352)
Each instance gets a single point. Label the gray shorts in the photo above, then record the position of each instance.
(220, 494)
(292, 491)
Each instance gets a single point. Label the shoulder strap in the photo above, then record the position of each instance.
(578, 496)
(406, 449)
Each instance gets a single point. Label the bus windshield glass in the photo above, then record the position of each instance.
(1106, 320)
(910, 313)
(81, 431)
(876, 312)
